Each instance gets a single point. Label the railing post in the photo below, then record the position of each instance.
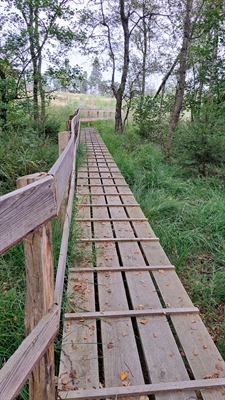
(39, 299)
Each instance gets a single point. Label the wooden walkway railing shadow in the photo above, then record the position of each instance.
(130, 329)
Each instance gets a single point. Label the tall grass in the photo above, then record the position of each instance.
(187, 213)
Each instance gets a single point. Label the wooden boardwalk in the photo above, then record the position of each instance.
(130, 329)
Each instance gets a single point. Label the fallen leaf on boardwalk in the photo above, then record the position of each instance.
(219, 367)
(89, 290)
(64, 381)
(208, 376)
(204, 346)
(106, 258)
(101, 385)
(155, 335)
(91, 333)
(170, 354)
(124, 334)
(195, 352)
(93, 327)
(140, 307)
(144, 321)
(110, 345)
(124, 375)
(67, 327)
(161, 271)
(193, 321)
(126, 383)
(136, 252)
(85, 337)
(216, 374)
(73, 374)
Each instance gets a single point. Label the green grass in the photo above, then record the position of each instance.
(187, 213)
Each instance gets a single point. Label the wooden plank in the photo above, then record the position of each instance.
(124, 268)
(24, 210)
(15, 372)
(192, 333)
(61, 170)
(79, 355)
(109, 205)
(132, 313)
(59, 282)
(120, 351)
(156, 337)
(106, 239)
(166, 388)
(112, 219)
(102, 185)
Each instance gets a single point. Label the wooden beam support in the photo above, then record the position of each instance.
(155, 239)
(131, 313)
(124, 268)
(155, 388)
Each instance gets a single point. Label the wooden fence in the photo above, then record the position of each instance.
(95, 114)
(25, 214)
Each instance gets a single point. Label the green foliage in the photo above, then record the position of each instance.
(200, 143)
(151, 117)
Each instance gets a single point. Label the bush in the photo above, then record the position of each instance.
(200, 143)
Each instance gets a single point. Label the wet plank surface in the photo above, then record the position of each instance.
(134, 274)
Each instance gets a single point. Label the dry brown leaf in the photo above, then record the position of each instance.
(144, 321)
(73, 374)
(170, 354)
(161, 271)
(204, 346)
(126, 383)
(85, 337)
(140, 307)
(195, 352)
(219, 367)
(93, 327)
(65, 381)
(208, 376)
(124, 334)
(110, 345)
(136, 252)
(89, 290)
(155, 335)
(124, 375)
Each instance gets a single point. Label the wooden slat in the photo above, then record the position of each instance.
(61, 170)
(132, 313)
(15, 372)
(59, 283)
(112, 219)
(109, 205)
(98, 194)
(106, 239)
(124, 268)
(159, 388)
(102, 185)
(24, 210)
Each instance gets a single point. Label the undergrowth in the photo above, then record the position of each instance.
(187, 213)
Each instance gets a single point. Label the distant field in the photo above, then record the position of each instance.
(83, 100)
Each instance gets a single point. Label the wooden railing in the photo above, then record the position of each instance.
(95, 114)
(25, 214)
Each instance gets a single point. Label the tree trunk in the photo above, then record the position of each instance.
(3, 98)
(182, 70)
(120, 91)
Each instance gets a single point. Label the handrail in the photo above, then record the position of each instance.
(22, 212)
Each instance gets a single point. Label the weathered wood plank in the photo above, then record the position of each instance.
(169, 387)
(79, 355)
(125, 268)
(156, 337)
(118, 339)
(191, 332)
(61, 170)
(18, 368)
(24, 210)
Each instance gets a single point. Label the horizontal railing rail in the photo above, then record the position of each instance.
(24, 215)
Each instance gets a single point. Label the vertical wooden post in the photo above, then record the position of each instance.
(63, 139)
(98, 114)
(39, 299)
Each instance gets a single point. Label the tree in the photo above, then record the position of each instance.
(40, 24)
(95, 77)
